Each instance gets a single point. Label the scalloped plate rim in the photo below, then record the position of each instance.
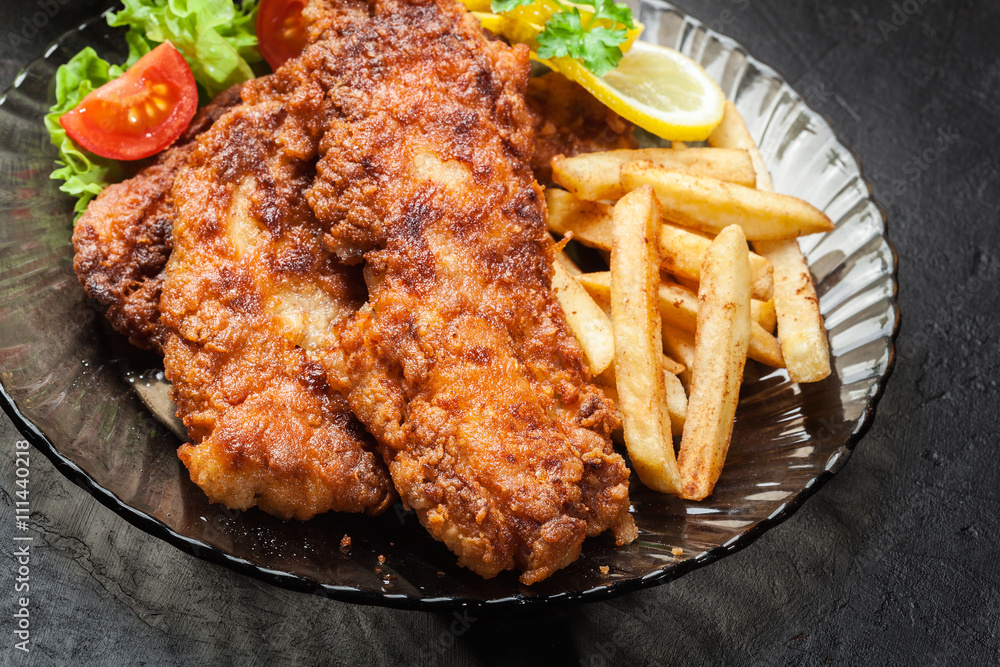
(515, 602)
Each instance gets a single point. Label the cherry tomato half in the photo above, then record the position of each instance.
(141, 112)
(281, 31)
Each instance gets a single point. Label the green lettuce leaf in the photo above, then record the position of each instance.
(84, 173)
(217, 37)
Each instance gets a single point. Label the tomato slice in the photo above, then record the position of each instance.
(281, 30)
(141, 112)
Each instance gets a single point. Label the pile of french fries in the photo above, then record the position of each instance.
(668, 329)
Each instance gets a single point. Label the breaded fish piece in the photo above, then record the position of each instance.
(460, 363)
(122, 240)
(249, 292)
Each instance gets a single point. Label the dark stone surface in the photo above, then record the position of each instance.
(893, 562)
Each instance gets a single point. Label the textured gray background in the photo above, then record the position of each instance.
(894, 562)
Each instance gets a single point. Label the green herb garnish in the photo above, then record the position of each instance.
(595, 44)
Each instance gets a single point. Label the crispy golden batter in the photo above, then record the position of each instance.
(249, 291)
(570, 121)
(460, 364)
(122, 240)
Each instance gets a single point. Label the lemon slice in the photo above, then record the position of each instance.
(656, 88)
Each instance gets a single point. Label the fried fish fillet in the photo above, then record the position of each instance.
(460, 363)
(122, 241)
(501, 441)
(249, 291)
(291, 461)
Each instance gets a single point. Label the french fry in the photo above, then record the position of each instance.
(590, 222)
(710, 205)
(681, 250)
(608, 378)
(763, 313)
(686, 283)
(673, 366)
(679, 308)
(721, 344)
(638, 348)
(568, 264)
(670, 365)
(679, 344)
(732, 132)
(742, 297)
(594, 176)
(586, 320)
(676, 398)
(677, 401)
(800, 324)
(764, 347)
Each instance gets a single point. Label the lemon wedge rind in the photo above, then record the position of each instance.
(658, 89)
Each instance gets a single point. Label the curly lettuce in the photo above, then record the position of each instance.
(84, 173)
(217, 39)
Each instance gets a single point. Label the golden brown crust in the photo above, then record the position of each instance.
(249, 291)
(569, 121)
(461, 364)
(122, 241)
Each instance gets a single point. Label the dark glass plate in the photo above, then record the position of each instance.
(69, 383)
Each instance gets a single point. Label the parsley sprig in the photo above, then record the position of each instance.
(566, 35)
